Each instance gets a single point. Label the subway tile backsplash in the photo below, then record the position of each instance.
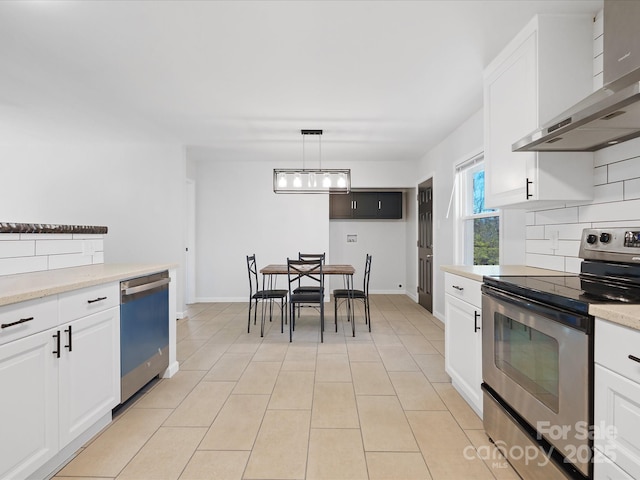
(33, 252)
(616, 203)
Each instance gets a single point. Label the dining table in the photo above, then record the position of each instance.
(271, 271)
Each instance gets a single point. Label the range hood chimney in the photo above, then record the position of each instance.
(610, 115)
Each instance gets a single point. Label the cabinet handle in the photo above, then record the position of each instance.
(68, 330)
(18, 322)
(56, 352)
(476, 316)
(457, 287)
(99, 299)
(379, 204)
(634, 358)
(355, 205)
(529, 195)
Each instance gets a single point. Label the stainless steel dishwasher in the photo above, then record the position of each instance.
(144, 331)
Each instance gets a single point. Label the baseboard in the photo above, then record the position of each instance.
(413, 296)
(171, 370)
(221, 299)
(439, 316)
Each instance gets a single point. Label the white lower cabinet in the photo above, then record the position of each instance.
(463, 338)
(28, 405)
(89, 372)
(616, 401)
(56, 385)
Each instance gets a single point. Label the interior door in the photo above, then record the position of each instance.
(425, 244)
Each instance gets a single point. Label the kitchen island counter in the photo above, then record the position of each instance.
(28, 286)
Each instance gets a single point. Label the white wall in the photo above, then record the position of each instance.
(384, 240)
(135, 190)
(233, 222)
(616, 203)
(439, 162)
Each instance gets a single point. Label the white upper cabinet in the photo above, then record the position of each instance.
(546, 69)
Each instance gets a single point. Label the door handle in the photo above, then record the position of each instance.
(529, 195)
(56, 352)
(68, 345)
(476, 316)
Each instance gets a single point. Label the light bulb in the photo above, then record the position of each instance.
(326, 181)
(297, 181)
(282, 181)
(342, 183)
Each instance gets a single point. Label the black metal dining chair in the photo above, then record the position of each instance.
(343, 294)
(266, 295)
(310, 270)
(313, 287)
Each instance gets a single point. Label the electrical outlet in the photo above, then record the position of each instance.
(554, 236)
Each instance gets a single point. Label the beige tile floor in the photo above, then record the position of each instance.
(377, 406)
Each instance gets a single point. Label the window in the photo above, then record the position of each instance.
(479, 227)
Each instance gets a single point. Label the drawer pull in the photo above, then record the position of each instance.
(634, 358)
(457, 287)
(22, 320)
(99, 299)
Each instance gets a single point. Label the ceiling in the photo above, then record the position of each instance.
(385, 80)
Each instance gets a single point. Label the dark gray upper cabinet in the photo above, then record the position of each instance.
(366, 205)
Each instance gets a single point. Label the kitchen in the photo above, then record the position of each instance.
(123, 177)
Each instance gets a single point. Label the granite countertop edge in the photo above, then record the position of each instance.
(625, 315)
(30, 286)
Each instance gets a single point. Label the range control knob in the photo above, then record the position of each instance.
(591, 239)
(605, 237)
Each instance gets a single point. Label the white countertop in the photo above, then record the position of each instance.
(476, 272)
(28, 286)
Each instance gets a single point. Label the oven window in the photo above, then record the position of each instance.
(528, 357)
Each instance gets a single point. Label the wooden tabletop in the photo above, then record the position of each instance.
(327, 269)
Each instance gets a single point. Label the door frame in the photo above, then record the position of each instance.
(431, 175)
(190, 241)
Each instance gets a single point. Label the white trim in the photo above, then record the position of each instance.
(190, 242)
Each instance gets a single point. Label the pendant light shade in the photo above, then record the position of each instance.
(306, 180)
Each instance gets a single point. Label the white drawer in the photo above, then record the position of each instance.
(83, 302)
(614, 344)
(463, 288)
(22, 319)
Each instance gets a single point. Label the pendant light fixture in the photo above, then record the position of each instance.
(305, 180)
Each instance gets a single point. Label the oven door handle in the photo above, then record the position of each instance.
(570, 319)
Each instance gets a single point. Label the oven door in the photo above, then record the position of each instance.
(536, 358)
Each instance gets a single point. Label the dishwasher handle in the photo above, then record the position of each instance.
(146, 286)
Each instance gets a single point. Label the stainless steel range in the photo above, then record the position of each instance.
(537, 358)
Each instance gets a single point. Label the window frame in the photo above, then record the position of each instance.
(463, 189)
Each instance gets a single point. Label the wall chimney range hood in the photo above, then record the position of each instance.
(610, 115)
